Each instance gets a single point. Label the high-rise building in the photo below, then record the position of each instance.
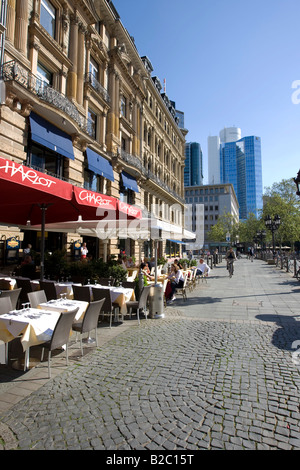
(236, 160)
(193, 170)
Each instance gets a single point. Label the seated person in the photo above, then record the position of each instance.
(177, 280)
(28, 267)
(203, 268)
(145, 270)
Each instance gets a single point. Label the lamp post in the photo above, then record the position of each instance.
(297, 182)
(272, 225)
(261, 235)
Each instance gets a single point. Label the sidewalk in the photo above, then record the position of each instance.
(216, 373)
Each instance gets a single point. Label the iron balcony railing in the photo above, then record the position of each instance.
(136, 162)
(92, 80)
(14, 71)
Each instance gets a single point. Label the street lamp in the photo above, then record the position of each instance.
(261, 235)
(272, 225)
(297, 182)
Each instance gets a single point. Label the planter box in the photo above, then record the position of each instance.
(271, 261)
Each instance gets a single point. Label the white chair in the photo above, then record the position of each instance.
(182, 290)
(36, 298)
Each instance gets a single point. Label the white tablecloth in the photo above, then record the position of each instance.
(65, 306)
(65, 288)
(120, 295)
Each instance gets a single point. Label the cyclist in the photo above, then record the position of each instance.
(230, 257)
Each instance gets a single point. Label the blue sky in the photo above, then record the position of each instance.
(227, 63)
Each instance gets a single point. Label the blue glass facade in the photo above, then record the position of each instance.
(240, 165)
(193, 170)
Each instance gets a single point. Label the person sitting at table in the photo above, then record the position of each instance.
(129, 263)
(28, 267)
(177, 279)
(176, 261)
(145, 270)
(202, 268)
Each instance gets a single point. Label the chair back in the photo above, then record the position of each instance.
(13, 294)
(5, 305)
(82, 293)
(90, 319)
(49, 288)
(62, 329)
(128, 284)
(36, 298)
(25, 285)
(144, 296)
(99, 294)
(106, 281)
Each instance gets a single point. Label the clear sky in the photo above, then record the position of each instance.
(227, 63)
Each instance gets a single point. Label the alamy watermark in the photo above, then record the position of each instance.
(296, 93)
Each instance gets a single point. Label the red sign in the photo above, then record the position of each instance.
(90, 198)
(15, 173)
(129, 210)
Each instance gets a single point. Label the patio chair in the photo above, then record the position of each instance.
(82, 293)
(90, 321)
(128, 284)
(13, 294)
(108, 306)
(5, 305)
(37, 298)
(26, 286)
(140, 304)
(106, 281)
(49, 288)
(182, 290)
(60, 336)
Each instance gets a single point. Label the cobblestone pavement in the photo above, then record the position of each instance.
(218, 372)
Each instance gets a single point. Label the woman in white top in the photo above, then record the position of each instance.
(177, 280)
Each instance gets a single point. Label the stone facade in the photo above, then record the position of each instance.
(74, 64)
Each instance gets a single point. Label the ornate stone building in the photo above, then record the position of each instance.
(72, 65)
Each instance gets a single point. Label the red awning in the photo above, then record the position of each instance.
(23, 190)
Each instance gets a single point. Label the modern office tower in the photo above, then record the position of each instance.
(193, 170)
(236, 160)
(240, 165)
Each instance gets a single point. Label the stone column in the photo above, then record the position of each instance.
(80, 64)
(21, 30)
(10, 20)
(73, 55)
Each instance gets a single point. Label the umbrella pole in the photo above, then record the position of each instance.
(42, 269)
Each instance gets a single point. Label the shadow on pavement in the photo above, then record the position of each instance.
(288, 331)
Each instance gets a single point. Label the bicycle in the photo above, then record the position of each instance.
(230, 268)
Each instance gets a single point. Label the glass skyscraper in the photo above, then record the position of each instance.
(240, 165)
(193, 170)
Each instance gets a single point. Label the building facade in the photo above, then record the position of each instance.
(193, 170)
(204, 205)
(72, 66)
(236, 160)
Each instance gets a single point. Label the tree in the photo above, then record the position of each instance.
(281, 199)
(226, 224)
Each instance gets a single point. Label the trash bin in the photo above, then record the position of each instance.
(156, 301)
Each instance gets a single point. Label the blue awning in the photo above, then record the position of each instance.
(177, 241)
(99, 165)
(48, 135)
(129, 182)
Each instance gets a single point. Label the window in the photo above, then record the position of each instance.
(44, 77)
(123, 106)
(92, 123)
(94, 182)
(48, 17)
(45, 160)
(94, 69)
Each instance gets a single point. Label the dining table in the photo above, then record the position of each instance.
(34, 326)
(65, 305)
(66, 288)
(119, 295)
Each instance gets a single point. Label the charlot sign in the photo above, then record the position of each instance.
(20, 174)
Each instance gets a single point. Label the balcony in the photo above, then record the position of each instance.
(93, 82)
(136, 162)
(16, 73)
